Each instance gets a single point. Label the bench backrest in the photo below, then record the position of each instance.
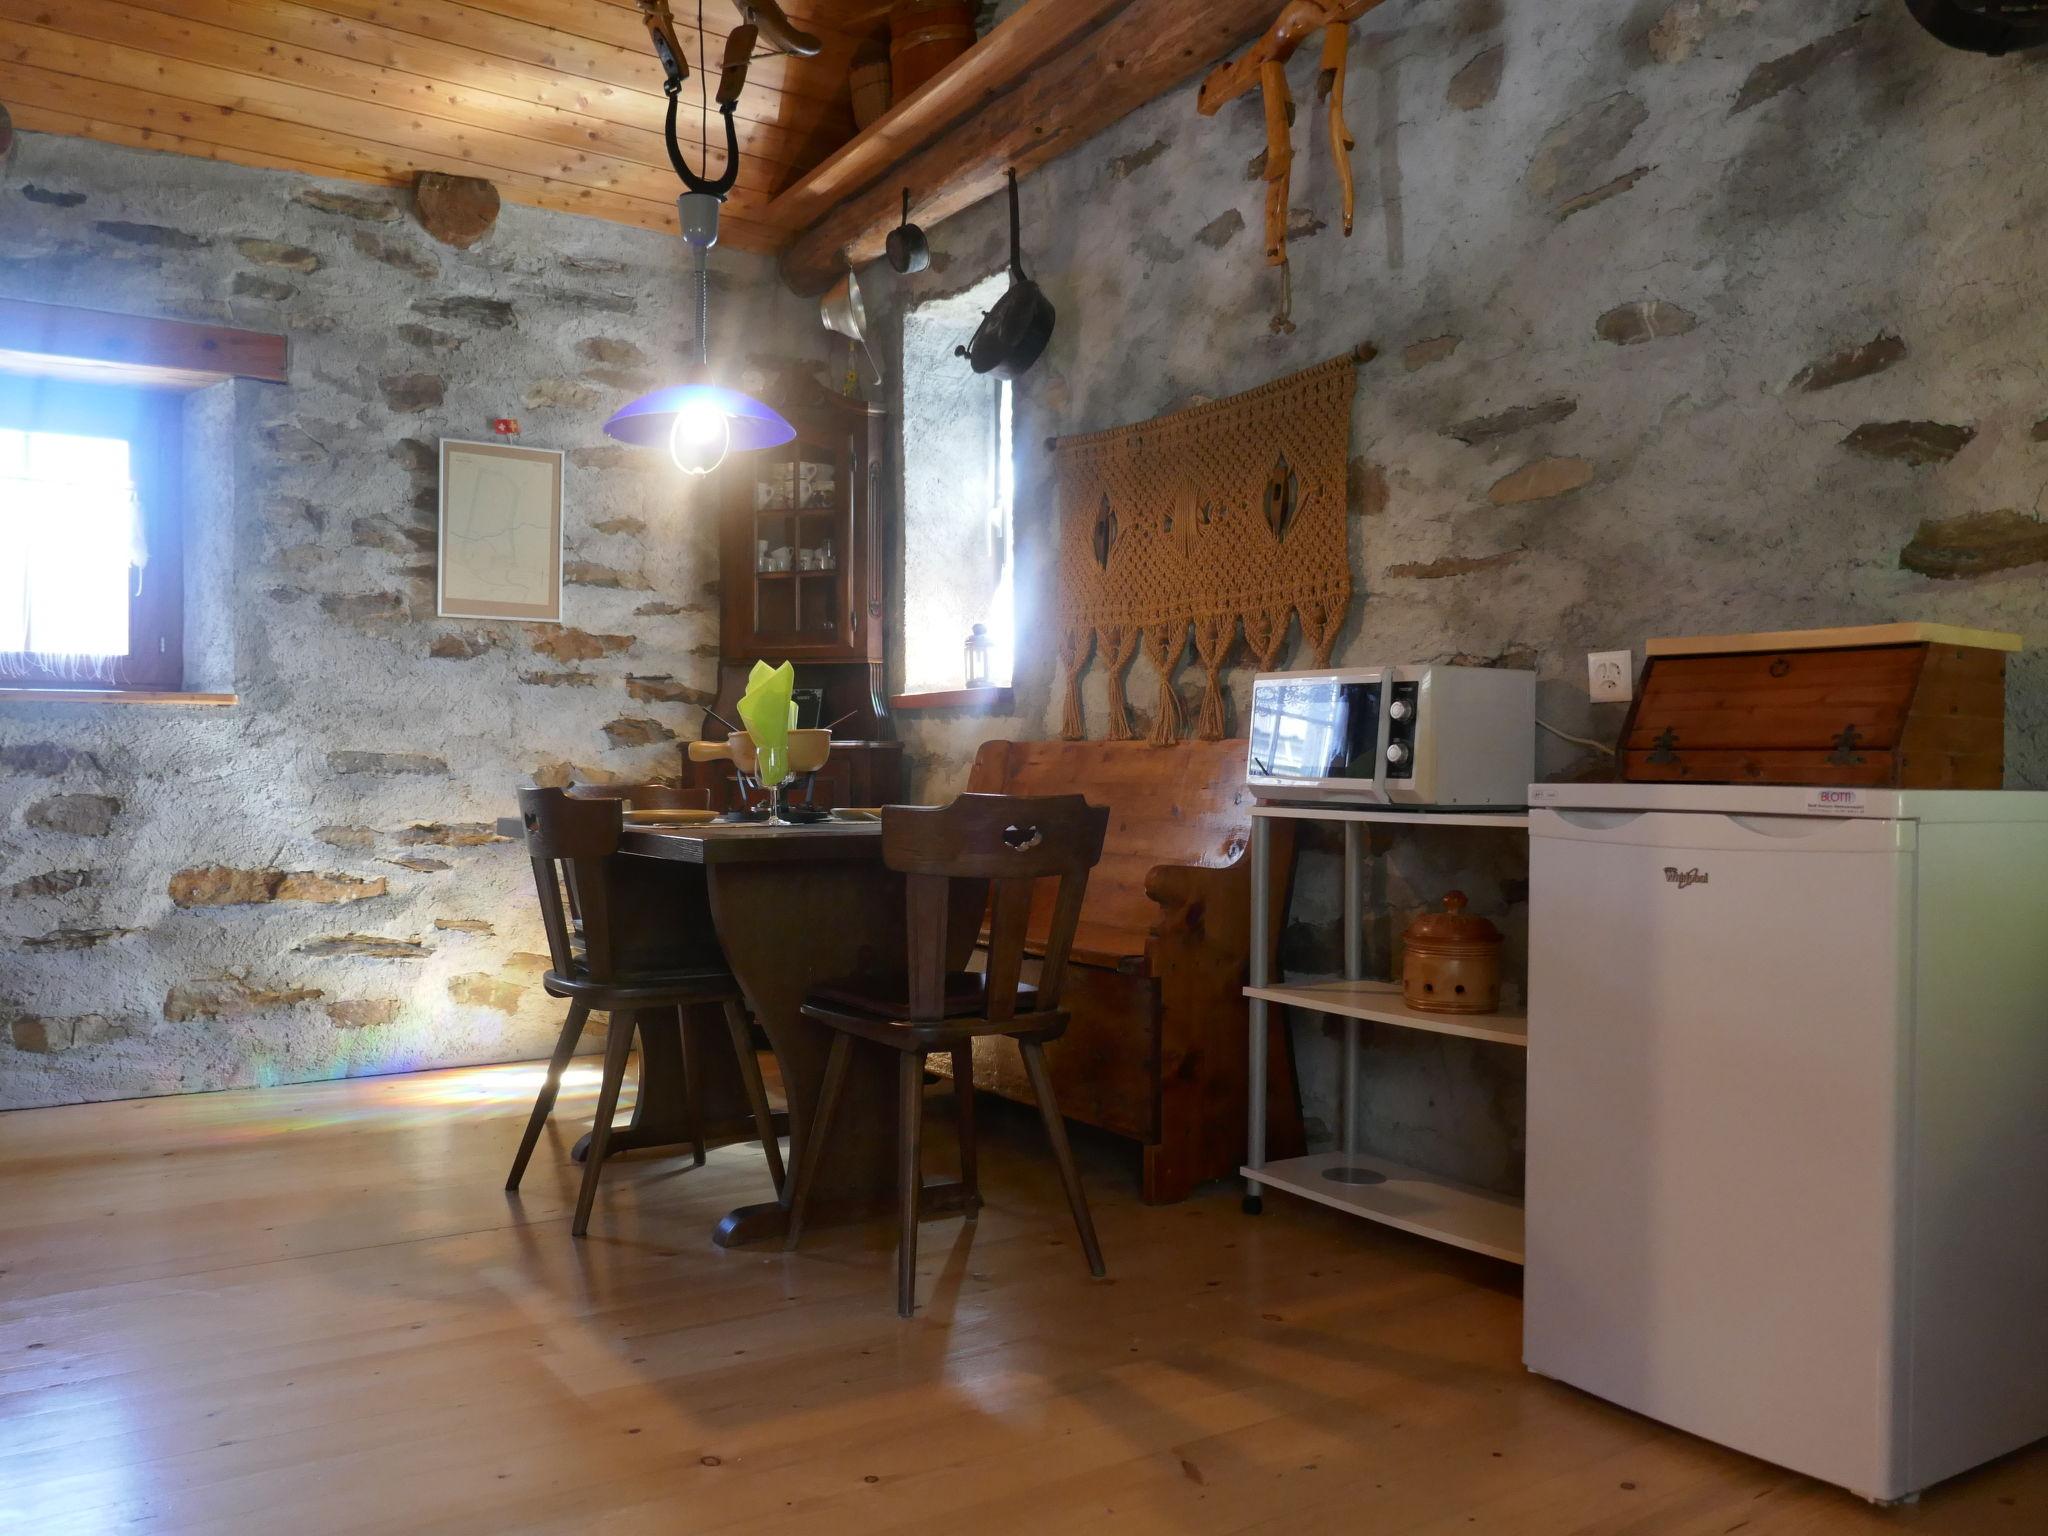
(1183, 804)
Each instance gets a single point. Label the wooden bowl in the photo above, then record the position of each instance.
(808, 750)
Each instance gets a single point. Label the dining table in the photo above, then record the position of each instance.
(789, 907)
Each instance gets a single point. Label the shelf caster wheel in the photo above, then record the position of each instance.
(1254, 1205)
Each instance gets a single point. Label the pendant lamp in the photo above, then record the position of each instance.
(699, 420)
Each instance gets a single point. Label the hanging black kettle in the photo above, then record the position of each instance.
(1984, 26)
(1014, 333)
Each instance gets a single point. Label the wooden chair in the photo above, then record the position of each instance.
(1156, 1048)
(574, 842)
(1009, 843)
(634, 797)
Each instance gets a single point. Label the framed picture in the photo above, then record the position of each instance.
(501, 532)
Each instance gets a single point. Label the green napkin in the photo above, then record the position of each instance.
(768, 712)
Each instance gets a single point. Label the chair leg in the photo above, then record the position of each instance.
(963, 1098)
(909, 1173)
(811, 1155)
(1062, 1154)
(618, 1042)
(544, 1101)
(693, 1097)
(757, 1092)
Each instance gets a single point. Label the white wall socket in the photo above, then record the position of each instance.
(1611, 676)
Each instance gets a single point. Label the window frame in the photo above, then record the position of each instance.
(995, 517)
(152, 418)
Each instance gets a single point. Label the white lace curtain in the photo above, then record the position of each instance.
(70, 537)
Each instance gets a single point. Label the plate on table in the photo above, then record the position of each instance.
(856, 813)
(670, 818)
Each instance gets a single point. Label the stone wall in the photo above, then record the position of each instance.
(1692, 316)
(307, 884)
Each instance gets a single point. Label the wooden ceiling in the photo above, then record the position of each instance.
(559, 102)
(556, 101)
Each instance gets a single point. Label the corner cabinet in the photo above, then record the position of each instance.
(803, 538)
(800, 566)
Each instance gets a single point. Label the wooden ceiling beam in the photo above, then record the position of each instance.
(1027, 39)
(1143, 51)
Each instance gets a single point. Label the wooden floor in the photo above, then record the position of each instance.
(310, 1310)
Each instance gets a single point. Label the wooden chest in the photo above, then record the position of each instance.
(1897, 706)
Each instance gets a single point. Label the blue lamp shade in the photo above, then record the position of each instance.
(649, 421)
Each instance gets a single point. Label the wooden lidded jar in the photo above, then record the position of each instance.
(869, 79)
(1450, 961)
(924, 37)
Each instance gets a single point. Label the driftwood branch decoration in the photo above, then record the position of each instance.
(1264, 65)
(1227, 516)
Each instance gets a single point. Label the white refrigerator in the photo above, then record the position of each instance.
(1788, 1118)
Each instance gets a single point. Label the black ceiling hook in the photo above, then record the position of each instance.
(722, 184)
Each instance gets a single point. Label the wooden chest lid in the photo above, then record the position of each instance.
(1833, 639)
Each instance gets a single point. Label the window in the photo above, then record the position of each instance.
(90, 577)
(958, 498)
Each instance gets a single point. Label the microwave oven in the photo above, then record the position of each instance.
(1419, 735)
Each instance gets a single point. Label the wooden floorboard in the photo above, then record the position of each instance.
(313, 1310)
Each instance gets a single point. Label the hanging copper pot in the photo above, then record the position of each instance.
(1450, 961)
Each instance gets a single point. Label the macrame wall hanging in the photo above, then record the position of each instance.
(1224, 517)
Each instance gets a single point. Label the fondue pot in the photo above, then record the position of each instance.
(1450, 961)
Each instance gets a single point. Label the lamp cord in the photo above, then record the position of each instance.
(703, 307)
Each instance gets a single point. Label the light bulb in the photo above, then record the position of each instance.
(700, 438)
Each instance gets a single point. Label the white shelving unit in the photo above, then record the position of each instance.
(1347, 1179)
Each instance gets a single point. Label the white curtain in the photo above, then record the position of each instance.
(70, 534)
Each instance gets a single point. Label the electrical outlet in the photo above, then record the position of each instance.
(1611, 676)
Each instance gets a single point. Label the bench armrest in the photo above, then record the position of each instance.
(1209, 906)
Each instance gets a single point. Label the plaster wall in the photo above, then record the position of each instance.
(1691, 316)
(306, 884)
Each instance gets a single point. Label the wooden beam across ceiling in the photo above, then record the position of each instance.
(1050, 77)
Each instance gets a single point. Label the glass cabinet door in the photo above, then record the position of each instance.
(799, 544)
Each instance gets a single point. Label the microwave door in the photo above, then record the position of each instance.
(1384, 681)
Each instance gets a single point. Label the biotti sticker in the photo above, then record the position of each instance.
(1835, 802)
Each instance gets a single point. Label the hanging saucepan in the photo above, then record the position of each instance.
(909, 251)
(844, 314)
(1984, 26)
(1014, 333)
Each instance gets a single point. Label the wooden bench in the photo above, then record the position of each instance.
(1157, 1047)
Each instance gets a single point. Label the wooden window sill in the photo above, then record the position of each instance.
(985, 700)
(116, 696)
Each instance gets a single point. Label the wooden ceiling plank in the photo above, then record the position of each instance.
(40, 119)
(618, 21)
(316, 71)
(740, 233)
(1147, 49)
(362, 50)
(55, 103)
(314, 26)
(1020, 43)
(559, 37)
(463, 148)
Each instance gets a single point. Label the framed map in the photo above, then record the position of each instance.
(501, 532)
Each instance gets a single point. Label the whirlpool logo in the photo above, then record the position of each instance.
(1681, 878)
